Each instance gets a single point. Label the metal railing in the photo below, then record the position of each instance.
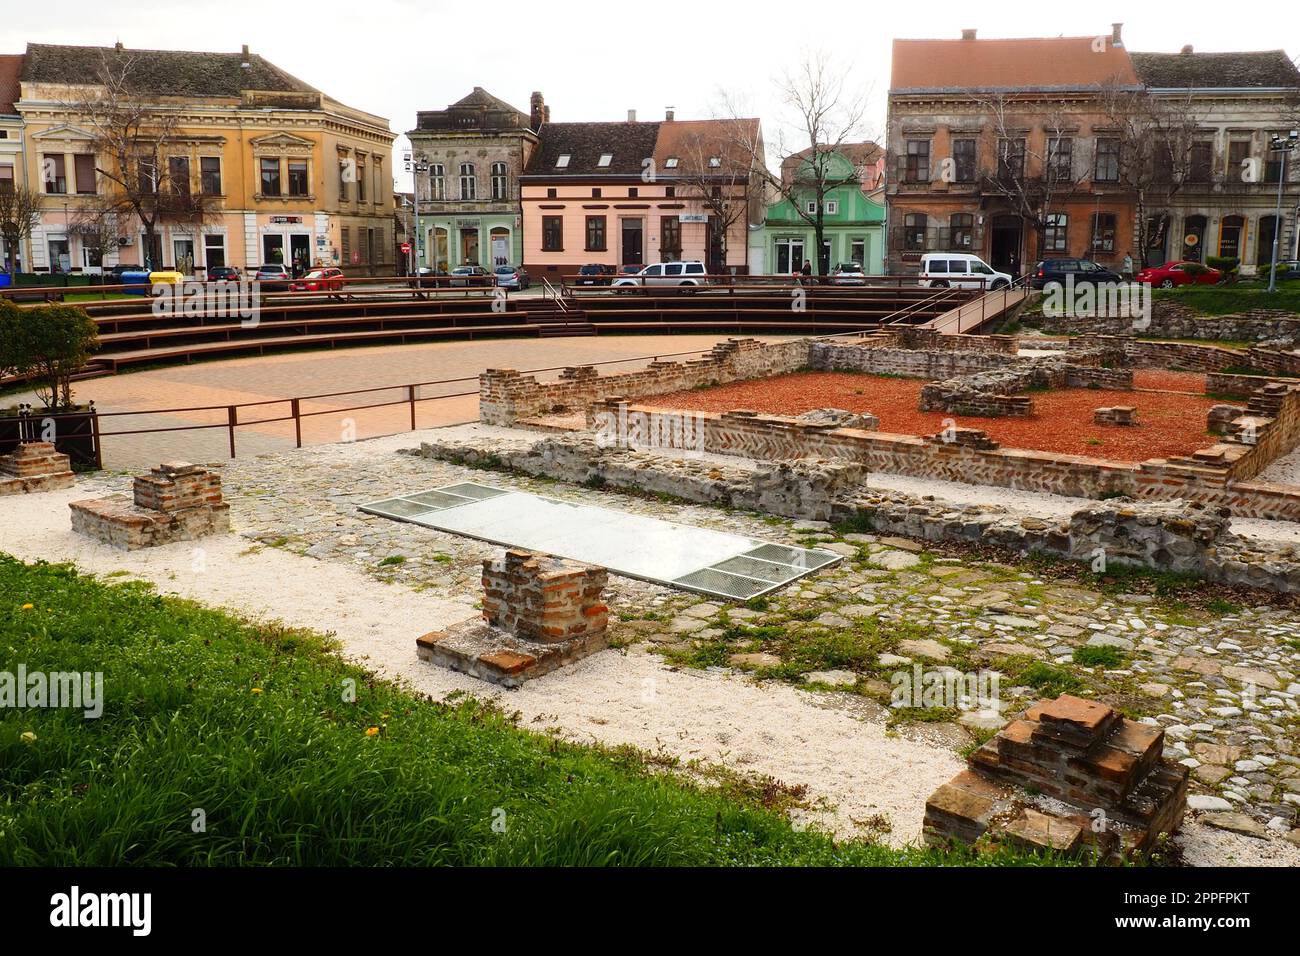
(235, 414)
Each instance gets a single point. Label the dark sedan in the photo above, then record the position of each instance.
(1083, 271)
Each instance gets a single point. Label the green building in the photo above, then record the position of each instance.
(853, 218)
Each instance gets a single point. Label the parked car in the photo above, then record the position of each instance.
(682, 274)
(433, 278)
(328, 279)
(223, 274)
(1288, 270)
(595, 273)
(1178, 273)
(114, 275)
(512, 277)
(470, 276)
(272, 276)
(960, 270)
(848, 273)
(1084, 271)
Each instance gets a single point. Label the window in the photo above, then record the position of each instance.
(361, 182)
(670, 162)
(605, 159)
(715, 162)
(670, 192)
(595, 233)
(670, 237)
(917, 168)
(500, 181)
(1238, 157)
(1055, 232)
(915, 225)
(1105, 169)
(1011, 158)
(1264, 241)
(940, 266)
(345, 177)
(832, 207)
(1103, 232)
(1060, 159)
(6, 178)
(148, 175)
(633, 192)
(552, 233)
(961, 227)
(214, 250)
(56, 179)
(1273, 163)
(83, 165)
(270, 177)
(297, 177)
(178, 174)
(1231, 233)
(468, 181)
(810, 207)
(963, 160)
(552, 193)
(345, 243)
(210, 175)
(562, 161)
(1200, 162)
(595, 193)
(437, 181)
(858, 251)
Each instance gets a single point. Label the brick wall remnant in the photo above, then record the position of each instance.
(1046, 779)
(540, 612)
(32, 467)
(176, 501)
(1115, 415)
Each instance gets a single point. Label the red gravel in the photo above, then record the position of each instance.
(1170, 424)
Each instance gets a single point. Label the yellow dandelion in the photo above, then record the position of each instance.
(257, 690)
(28, 737)
(371, 731)
(28, 607)
(384, 716)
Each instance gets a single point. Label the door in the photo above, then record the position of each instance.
(1007, 239)
(824, 260)
(469, 247)
(500, 247)
(300, 253)
(1194, 238)
(633, 242)
(60, 257)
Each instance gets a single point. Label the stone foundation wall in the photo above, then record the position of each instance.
(33, 467)
(176, 501)
(543, 598)
(1174, 320)
(505, 396)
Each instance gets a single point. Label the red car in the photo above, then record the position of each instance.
(319, 280)
(1176, 273)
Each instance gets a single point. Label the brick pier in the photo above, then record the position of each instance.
(34, 466)
(176, 501)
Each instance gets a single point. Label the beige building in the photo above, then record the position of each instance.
(266, 167)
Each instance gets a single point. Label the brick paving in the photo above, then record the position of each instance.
(275, 378)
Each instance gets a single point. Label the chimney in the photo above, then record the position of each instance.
(668, 114)
(1186, 50)
(1116, 34)
(245, 52)
(118, 46)
(539, 112)
(631, 116)
(968, 34)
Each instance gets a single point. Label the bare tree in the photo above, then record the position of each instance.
(825, 114)
(140, 151)
(20, 214)
(1033, 181)
(721, 178)
(1155, 137)
(98, 228)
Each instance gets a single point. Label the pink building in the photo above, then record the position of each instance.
(634, 193)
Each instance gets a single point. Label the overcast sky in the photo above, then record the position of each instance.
(596, 60)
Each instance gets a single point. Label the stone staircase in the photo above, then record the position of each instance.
(554, 321)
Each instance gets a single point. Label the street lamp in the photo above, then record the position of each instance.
(1283, 146)
(417, 166)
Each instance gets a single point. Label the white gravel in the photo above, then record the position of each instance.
(845, 759)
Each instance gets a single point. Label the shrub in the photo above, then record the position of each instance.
(48, 344)
(1228, 265)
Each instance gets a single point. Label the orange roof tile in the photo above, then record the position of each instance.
(11, 68)
(1066, 63)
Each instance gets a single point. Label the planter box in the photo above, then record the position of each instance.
(76, 434)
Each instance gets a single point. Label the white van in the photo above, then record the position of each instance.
(960, 270)
(690, 273)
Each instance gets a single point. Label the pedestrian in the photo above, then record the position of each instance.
(806, 271)
(1128, 266)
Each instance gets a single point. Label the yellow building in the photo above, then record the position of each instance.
(259, 166)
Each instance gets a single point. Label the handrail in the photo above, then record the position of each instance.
(549, 291)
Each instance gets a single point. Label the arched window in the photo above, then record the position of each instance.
(468, 181)
(1194, 238)
(1264, 242)
(1232, 233)
(500, 181)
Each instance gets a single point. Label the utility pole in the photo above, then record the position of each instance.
(1283, 146)
(416, 166)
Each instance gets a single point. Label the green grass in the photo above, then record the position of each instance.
(1098, 656)
(252, 725)
(1231, 299)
